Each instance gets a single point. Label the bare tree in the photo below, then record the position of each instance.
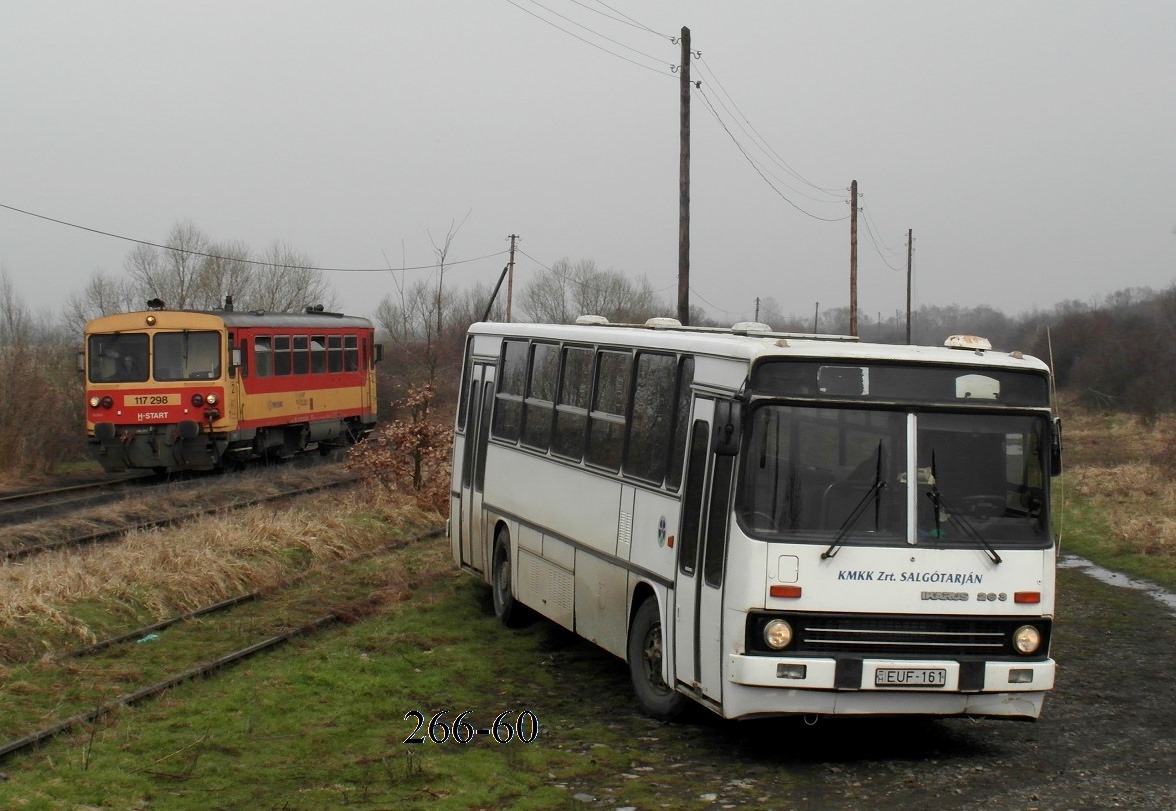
(287, 281)
(565, 291)
(173, 273)
(103, 295)
(228, 271)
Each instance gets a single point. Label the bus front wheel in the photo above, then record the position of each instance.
(646, 649)
(505, 607)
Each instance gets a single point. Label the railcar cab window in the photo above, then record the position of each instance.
(118, 358)
(189, 355)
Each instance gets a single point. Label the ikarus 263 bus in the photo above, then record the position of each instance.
(767, 523)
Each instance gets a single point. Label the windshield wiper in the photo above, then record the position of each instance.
(937, 501)
(859, 508)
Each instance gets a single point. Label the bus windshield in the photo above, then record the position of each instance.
(844, 476)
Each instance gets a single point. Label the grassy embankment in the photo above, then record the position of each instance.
(321, 723)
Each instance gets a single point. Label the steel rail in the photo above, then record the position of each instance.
(202, 669)
(173, 520)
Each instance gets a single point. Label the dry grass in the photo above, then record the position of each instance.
(1125, 467)
(164, 572)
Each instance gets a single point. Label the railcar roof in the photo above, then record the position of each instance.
(758, 344)
(229, 318)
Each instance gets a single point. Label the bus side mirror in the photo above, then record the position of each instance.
(1055, 448)
(728, 428)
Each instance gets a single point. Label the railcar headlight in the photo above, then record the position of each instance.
(197, 400)
(210, 399)
(778, 634)
(1026, 639)
(95, 401)
(108, 402)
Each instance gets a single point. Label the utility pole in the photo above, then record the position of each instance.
(910, 250)
(816, 314)
(510, 277)
(684, 184)
(757, 308)
(853, 327)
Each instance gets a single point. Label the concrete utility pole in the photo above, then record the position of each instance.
(853, 328)
(510, 277)
(684, 184)
(910, 250)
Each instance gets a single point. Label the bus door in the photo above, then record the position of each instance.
(702, 546)
(472, 526)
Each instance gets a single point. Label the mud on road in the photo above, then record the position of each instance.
(1107, 737)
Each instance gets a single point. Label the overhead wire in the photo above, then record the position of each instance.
(759, 139)
(663, 71)
(263, 262)
(624, 18)
(699, 91)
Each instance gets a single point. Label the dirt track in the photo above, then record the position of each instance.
(1107, 738)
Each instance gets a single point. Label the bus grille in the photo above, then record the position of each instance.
(900, 636)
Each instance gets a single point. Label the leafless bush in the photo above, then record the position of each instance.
(409, 454)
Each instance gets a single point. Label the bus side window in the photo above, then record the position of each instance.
(539, 406)
(606, 421)
(508, 402)
(692, 501)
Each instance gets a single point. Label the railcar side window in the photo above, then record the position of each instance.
(351, 353)
(318, 354)
(263, 355)
(301, 355)
(334, 353)
(281, 354)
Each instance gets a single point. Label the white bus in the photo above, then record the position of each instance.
(767, 523)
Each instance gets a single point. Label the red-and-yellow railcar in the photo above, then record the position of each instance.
(198, 390)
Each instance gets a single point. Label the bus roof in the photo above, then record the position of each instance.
(753, 344)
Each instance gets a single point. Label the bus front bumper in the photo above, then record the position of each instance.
(853, 685)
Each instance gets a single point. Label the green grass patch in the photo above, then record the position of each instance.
(1086, 531)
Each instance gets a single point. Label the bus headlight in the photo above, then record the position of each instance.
(778, 634)
(1026, 639)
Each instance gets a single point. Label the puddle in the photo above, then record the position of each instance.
(1167, 598)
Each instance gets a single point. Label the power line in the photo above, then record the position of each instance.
(755, 166)
(766, 147)
(588, 42)
(623, 19)
(630, 20)
(237, 258)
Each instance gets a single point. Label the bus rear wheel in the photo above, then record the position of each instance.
(646, 650)
(505, 608)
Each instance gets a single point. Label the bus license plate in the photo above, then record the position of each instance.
(910, 677)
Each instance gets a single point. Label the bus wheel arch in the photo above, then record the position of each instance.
(646, 648)
(506, 607)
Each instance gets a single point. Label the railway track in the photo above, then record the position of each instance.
(19, 507)
(18, 545)
(314, 623)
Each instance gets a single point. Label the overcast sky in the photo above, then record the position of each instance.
(1031, 146)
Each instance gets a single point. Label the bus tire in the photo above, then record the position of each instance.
(646, 647)
(506, 608)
